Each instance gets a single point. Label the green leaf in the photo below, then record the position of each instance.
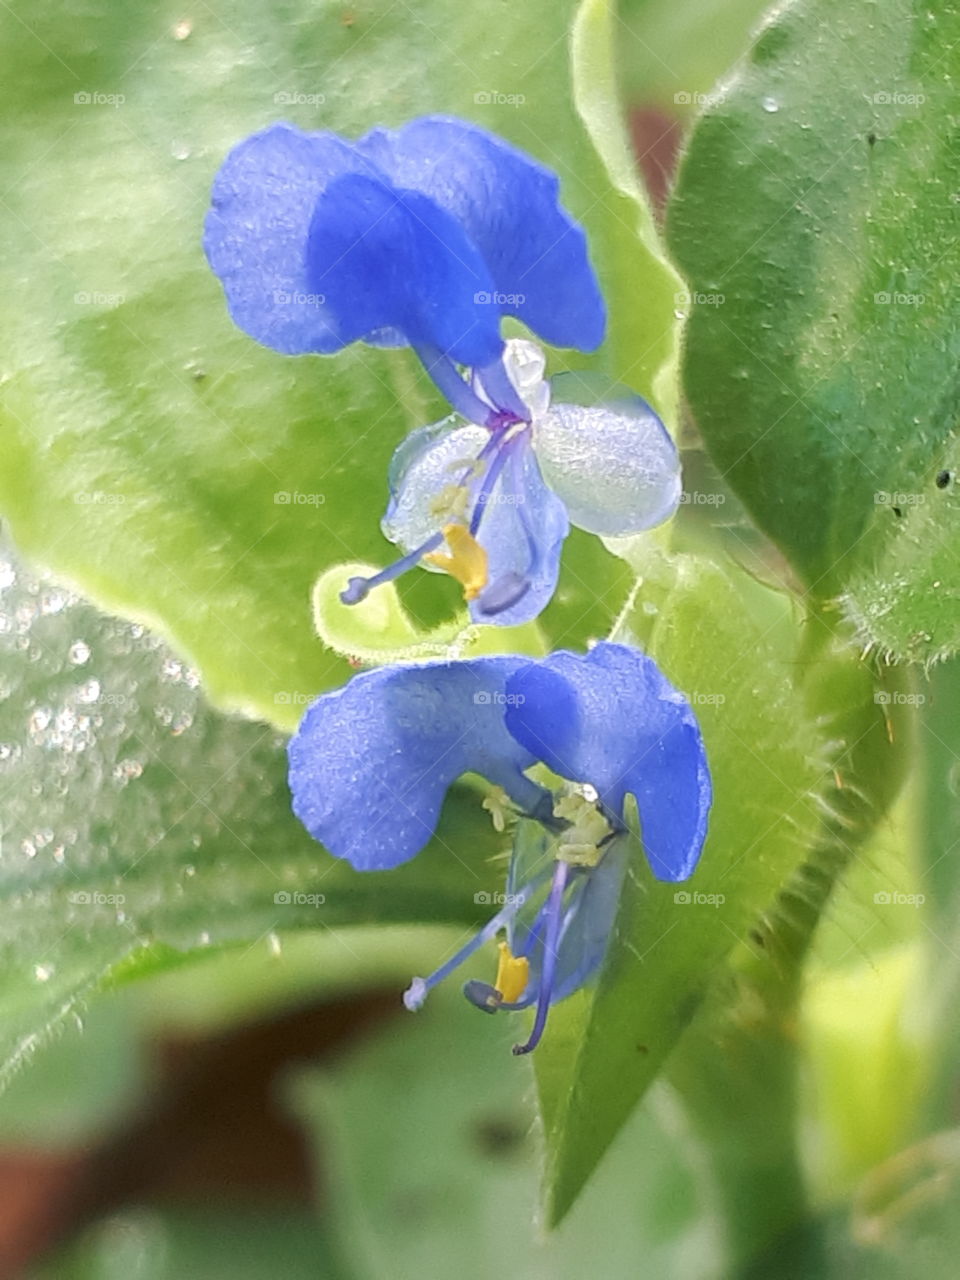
(139, 823)
(730, 645)
(447, 1183)
(674, 51)
(149, 451)
(815, 219)
(218, 1243)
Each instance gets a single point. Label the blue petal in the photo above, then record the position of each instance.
(256, 234)
(522, 531)
(613, 719)
(509, 207)
(386, 259)
(316, 249)
(370, 763)
(612, 461)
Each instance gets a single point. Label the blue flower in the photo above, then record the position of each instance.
(371, 763)
(428, 236)
(493, 505)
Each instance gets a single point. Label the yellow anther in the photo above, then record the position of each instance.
(581, 843)
(513, 974)
(467, 561)
(497, 804)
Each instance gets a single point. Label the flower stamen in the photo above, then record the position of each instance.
(467, 561)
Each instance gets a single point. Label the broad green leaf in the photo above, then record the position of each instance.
(815, 220)
(154, 455)
(139, 823)
(732, 646)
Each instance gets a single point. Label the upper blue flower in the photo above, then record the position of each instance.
(371, 763)
(425, 235)
(428, 235)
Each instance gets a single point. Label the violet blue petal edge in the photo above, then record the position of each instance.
(370, 763)
(611, 718)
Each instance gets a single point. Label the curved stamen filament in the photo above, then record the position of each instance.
(554, 914)
(358, 589)
(416, 993)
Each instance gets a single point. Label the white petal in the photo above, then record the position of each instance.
(614, 465)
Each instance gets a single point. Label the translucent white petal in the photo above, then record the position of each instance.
(428, 463)
(614, 464)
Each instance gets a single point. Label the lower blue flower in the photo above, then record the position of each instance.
(371, 763)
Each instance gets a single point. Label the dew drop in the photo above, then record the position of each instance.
(89, 692)
(770, 104)
(79, 653)
(43, 972)
(126, 770)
